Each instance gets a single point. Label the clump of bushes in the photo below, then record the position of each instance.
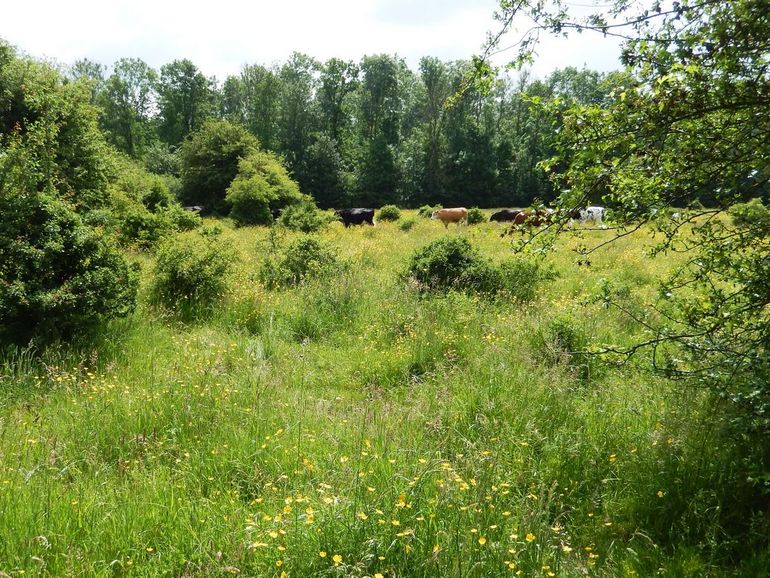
(305, 217)
(475, 216)
(303, 259)
(452, 263)
(389, 213)
(191, 273)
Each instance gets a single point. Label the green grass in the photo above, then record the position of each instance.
(351, 416)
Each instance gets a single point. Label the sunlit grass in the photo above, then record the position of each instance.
(351, 427)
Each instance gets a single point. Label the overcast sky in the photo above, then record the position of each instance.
(226, 34)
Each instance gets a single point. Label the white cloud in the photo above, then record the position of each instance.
(219, 37)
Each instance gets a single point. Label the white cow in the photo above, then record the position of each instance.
(592, 216)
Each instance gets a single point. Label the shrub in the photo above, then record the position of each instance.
(210, 160)
(191, 273)
(475, 216)
(427, 210)
(58, 276)
(452, 263)
(306, 257)
(141, 227)
(305, 217)
(262, 184)
(183, 220)
(522, 275)
(389, 213)
(407, 224)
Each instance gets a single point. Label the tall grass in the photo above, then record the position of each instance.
(353, 427)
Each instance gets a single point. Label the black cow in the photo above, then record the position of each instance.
(356, 216)
(504, 216)
(276, 213)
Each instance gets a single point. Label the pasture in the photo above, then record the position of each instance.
(354, 427)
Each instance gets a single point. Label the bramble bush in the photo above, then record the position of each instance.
(191, 273)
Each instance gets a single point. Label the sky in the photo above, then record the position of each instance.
(223, 35)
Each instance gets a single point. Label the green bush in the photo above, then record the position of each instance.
(389, 213)
(183, 220)
(210, 160)
(58, 276)
(522, 275)
(141, 228)
(191, 273)
(475, 216)
(452, 263)
(427, 210)
(407, 224)
(305, 258)
(305, 217)
(262, 184)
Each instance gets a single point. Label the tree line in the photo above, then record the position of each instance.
(368, 133)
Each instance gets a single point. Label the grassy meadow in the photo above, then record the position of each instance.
(354, 427)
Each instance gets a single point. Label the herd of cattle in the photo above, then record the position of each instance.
(536, 218)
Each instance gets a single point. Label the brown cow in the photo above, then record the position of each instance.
(447, 216)
(531, 219)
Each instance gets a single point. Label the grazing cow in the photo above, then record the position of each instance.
(194, 209)
(447, 216)
(530, 219)
(505, 216)
(588, 215)
(356, 216)
(276, 213)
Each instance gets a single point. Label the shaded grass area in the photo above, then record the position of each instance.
(352, 427)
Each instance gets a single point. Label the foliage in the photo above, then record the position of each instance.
(427, 210)
(261, 185)
(304, 258)
(210, 162)
(476, 216)
(138, 226)
(389, 213)
(452, 263)
(407, 225)
(305, 217)
(58, 277)
(55, 125)
(191, 273)
(687, 125)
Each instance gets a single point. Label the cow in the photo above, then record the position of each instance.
(276, 213)
(504, 216)
(447, 216)
(529, 218)
(356, 216)
(194, 209)
(588, 215)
